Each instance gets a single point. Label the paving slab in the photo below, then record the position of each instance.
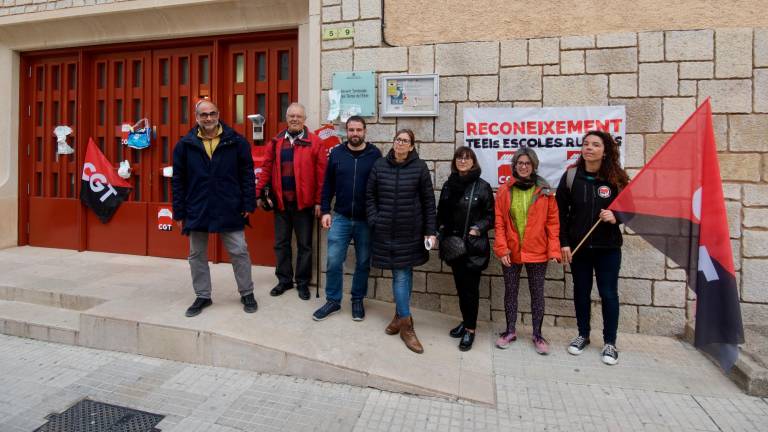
(137, 305)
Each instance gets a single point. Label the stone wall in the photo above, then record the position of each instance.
(660, 76)
(416, 22)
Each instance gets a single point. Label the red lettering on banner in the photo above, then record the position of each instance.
(574, 126)
(553, 127)
(602, 126)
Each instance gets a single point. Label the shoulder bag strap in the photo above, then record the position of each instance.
(469, 208)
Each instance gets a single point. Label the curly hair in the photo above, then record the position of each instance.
(610, 170)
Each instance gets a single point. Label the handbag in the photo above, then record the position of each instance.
(139, 138)
(454, 247)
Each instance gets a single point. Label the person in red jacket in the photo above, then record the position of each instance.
(527, 233)
(294, 166)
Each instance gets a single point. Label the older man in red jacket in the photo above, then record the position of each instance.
(294, 167)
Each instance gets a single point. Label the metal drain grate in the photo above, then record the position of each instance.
(92, 416)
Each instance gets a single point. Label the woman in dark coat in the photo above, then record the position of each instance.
(466, 210)
(583, 196)
(401, 214)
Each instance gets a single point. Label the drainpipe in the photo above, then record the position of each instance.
(383, 25)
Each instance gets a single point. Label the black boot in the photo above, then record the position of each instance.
(249, 303)
(466, 341)
(457, 331)
(198, 306)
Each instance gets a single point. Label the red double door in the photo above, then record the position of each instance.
(96, 90)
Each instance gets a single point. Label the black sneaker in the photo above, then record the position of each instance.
(249, 303)
(198, 306)
(279, 289)
(610, 355)
(303, 292)
(577, 345)
(358, 311)
(329, 308)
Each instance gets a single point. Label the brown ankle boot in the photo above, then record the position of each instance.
(394, 327)
(408, 335)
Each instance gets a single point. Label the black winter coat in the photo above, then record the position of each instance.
(452, 214)
(580, 208)
(400, 204)
(209, 194)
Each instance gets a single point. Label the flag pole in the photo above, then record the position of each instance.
(585, 237)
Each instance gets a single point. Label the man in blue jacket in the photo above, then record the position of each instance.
(214, 191)
(346, 178)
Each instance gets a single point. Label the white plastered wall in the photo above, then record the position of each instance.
(135, 21)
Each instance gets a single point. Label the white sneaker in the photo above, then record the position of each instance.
(610, 355)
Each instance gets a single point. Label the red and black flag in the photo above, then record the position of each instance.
(101, 188)
(676, 203)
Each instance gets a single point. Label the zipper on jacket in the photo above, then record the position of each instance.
(354, 184)
(593, 186)
(397, 192)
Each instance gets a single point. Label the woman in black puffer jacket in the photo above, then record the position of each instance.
(466, 210)
(401, 214)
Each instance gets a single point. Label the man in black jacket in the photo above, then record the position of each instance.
(346, 178)
(213, 191)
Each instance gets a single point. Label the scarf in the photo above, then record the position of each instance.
(525, 184)
(457, 184)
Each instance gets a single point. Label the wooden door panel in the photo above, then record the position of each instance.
(125, 233)
(120, 96)
(182, 77)
(49, 181)
(53, 222)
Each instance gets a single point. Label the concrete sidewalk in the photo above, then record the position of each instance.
(661, 385)
(136, 305)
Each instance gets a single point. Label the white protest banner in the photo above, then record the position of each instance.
(555, 134)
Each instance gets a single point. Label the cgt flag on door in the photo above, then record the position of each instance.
(101, 189)
(676, 203)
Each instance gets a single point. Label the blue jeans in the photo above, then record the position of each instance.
(402, 285)
(342, 231)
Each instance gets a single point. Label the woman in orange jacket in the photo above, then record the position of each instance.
(527, 233)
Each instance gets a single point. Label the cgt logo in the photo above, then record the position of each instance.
(504, 165)
(572, 155)
(165, 219)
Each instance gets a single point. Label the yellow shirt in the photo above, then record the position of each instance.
(210, 143)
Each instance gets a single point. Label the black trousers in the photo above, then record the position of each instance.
(291, 220)
(606, 264)
(468, 287)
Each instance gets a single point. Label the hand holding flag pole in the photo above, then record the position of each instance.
(586, 236)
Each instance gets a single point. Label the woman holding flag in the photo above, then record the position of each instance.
(590, 238)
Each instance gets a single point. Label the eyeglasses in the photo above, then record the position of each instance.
(463, 159)
(205, 115)
(524, 164)
(402, 141)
